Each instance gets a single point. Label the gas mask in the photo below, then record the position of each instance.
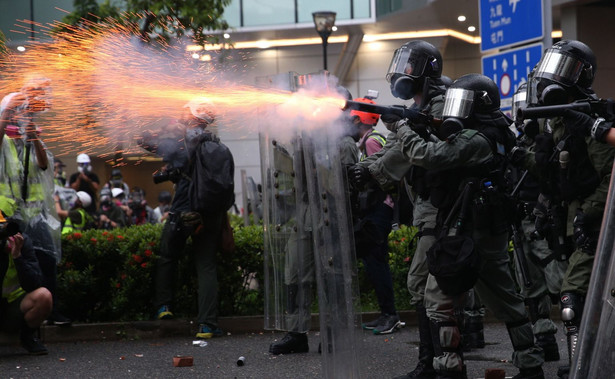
(84, 168)
(457, 109)
(403, 87)
(554, 76)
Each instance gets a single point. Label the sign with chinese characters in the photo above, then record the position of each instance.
(510, 69)
(506, 23)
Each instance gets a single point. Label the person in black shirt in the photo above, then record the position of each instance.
(85, 180)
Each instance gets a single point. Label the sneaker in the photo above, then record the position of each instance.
(32, 344)
(56, 318)
(164, 313)
(291, 343)
(372, 324)
(530, 373)
(206, 331)
(389, 325)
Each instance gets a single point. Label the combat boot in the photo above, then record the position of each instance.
(547, 342)
(291, 343)
(424, 369)
(473, 333)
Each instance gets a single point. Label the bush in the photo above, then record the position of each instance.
(402, 243)
(108, 275)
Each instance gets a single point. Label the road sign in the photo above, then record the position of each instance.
(510, 69)
(505, 23)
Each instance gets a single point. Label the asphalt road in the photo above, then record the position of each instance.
(381, 357)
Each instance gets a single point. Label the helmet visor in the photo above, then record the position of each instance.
(408, 62)
(560, 67)
(458, 103)
(519, 100)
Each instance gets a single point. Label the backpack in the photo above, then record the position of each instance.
(212, 171)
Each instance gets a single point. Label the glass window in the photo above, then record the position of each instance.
(361, 8)
(306, 7)
(269, 12)
(231, 14)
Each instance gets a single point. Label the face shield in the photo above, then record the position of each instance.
(556, 70)
(458, 103)
(519, 101)
(407, 62)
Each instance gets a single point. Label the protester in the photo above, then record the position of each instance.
(161, 212)
(77, 219)
(111, 215)
(179, 151)
(85, 180)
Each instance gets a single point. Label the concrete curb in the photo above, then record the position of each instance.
(181, 327)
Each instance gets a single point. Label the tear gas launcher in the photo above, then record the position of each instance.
(415, 117)
(601, 107)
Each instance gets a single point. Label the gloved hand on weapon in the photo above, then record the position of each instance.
(358, 176)
(391, 121)
(585, 125)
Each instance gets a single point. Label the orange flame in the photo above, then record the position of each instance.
(108, 87)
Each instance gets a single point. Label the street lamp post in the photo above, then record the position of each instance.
(324, 21)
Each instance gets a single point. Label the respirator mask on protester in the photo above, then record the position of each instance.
(84, 167)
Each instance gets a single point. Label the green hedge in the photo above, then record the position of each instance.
(107, 275)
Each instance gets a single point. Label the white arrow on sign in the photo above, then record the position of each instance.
(514, 4)
(504, 65)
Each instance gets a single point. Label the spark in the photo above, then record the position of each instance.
(108, 87)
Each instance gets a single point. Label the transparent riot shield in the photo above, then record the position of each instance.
(595, 354)
(289, 258)
(335, 259)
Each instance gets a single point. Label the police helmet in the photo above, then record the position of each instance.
(566, 68)
(415, 59)
(471, 93)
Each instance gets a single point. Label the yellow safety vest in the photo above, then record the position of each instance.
(11, 290)
(68, 224)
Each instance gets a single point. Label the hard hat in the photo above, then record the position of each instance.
(115, 192)
(83, 158)
(365, 117)
(84, 198)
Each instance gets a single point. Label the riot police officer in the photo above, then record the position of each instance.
(471, 204)
(574, 179)
(544, 268)
(415, 73)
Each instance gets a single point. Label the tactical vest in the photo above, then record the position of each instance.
(573, 178)
(445, 186)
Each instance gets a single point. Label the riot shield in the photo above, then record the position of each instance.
(289, 266)
(335, 259)
(595, 354)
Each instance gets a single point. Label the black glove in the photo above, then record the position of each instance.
(421, 130)
(585, 125)
(581, 236)
(358, 176)
(390, 120)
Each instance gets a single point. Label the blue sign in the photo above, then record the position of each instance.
(510, 69)
(505, 23)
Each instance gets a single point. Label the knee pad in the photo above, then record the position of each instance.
(571, 304)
